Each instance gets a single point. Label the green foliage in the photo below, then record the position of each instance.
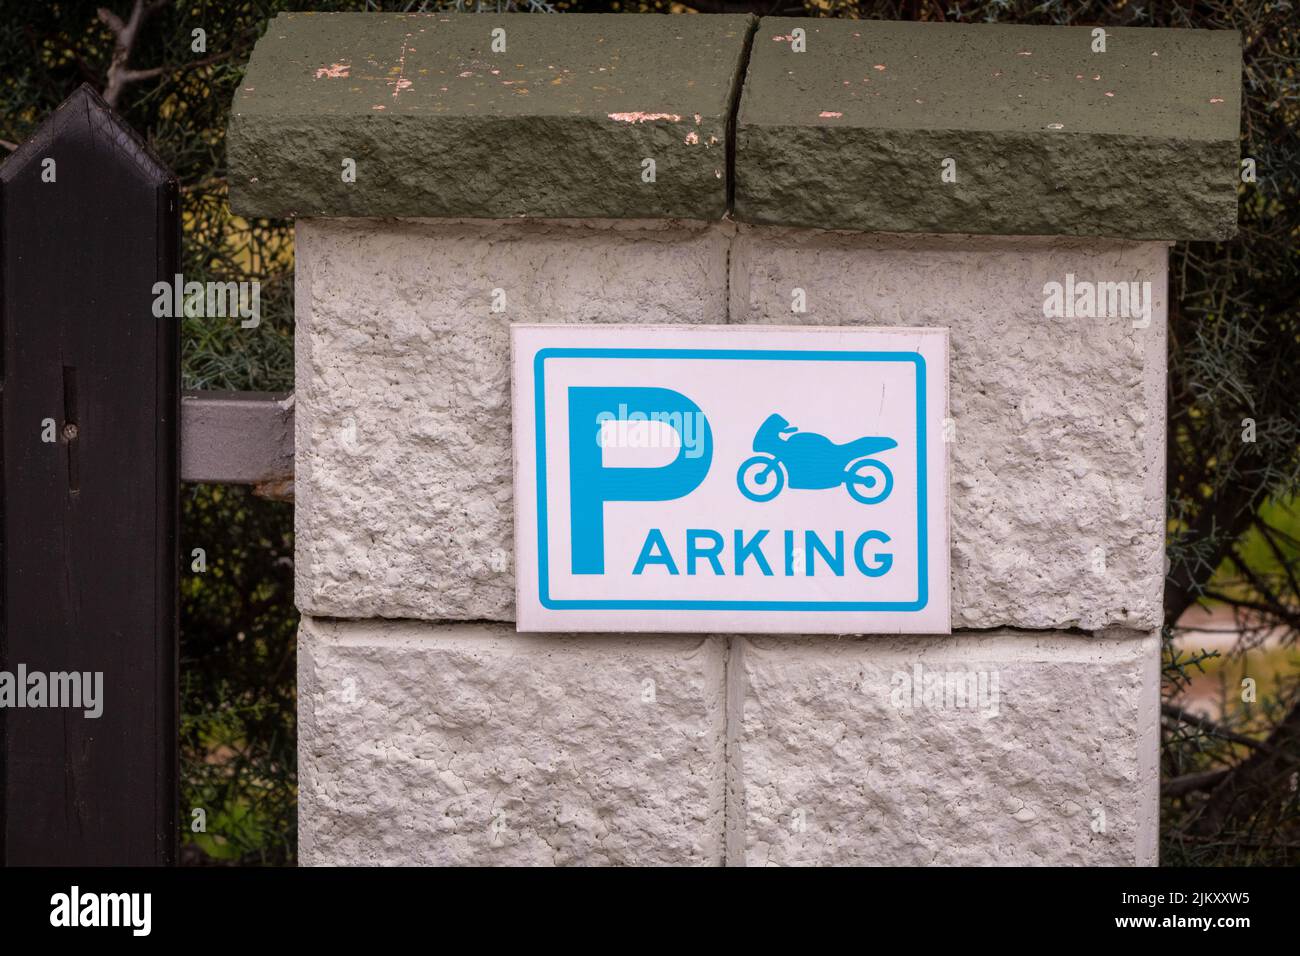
(1206, 753)
(238, 727)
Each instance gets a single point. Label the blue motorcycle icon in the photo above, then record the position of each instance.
(809, 460)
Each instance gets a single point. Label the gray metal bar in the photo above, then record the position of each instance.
(239, 438)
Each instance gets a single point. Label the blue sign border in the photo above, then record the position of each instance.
(778, 355)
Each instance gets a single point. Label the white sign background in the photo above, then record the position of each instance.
(737, 375)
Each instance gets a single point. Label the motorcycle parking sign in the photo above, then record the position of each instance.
(750, 479)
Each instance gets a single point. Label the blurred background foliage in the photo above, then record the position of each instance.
(1230, 757)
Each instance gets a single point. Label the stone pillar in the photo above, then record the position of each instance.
(432, 732)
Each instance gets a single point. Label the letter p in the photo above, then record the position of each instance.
(591, 484)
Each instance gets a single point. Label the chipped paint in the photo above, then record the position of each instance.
(402, 82)
(337, 71)
(949, 66)
(692, 138)
(639, 117)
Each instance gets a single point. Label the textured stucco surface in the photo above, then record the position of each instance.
(403, 477)
(832, 771)
(1048, 136)
(1057, 467)
(457, 744)
(404, 460)
(424, 743)
(455, 740)
(440, 124)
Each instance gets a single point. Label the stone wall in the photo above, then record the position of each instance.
(465, 742)
(431, 731)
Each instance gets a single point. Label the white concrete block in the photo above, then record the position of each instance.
(470, 744)
(404, 486)
(403, 471)
(1051, 760)
(1058, 464)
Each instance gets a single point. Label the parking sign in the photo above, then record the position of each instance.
(731, 479)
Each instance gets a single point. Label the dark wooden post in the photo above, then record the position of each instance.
(88, 224)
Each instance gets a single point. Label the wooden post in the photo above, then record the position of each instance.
(89, 449)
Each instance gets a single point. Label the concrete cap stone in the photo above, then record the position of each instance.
(1048, 136)
(438, 124)
(1037, 132)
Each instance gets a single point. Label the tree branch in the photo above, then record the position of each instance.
(134, 75)
(1267, 531)
(1210, 727)
(1251, 784)
(1265, 610)
(1223, 522)
(1192, 783)
(125, 35)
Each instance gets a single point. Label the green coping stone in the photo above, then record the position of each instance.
(438, 124)
(1049, 138)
